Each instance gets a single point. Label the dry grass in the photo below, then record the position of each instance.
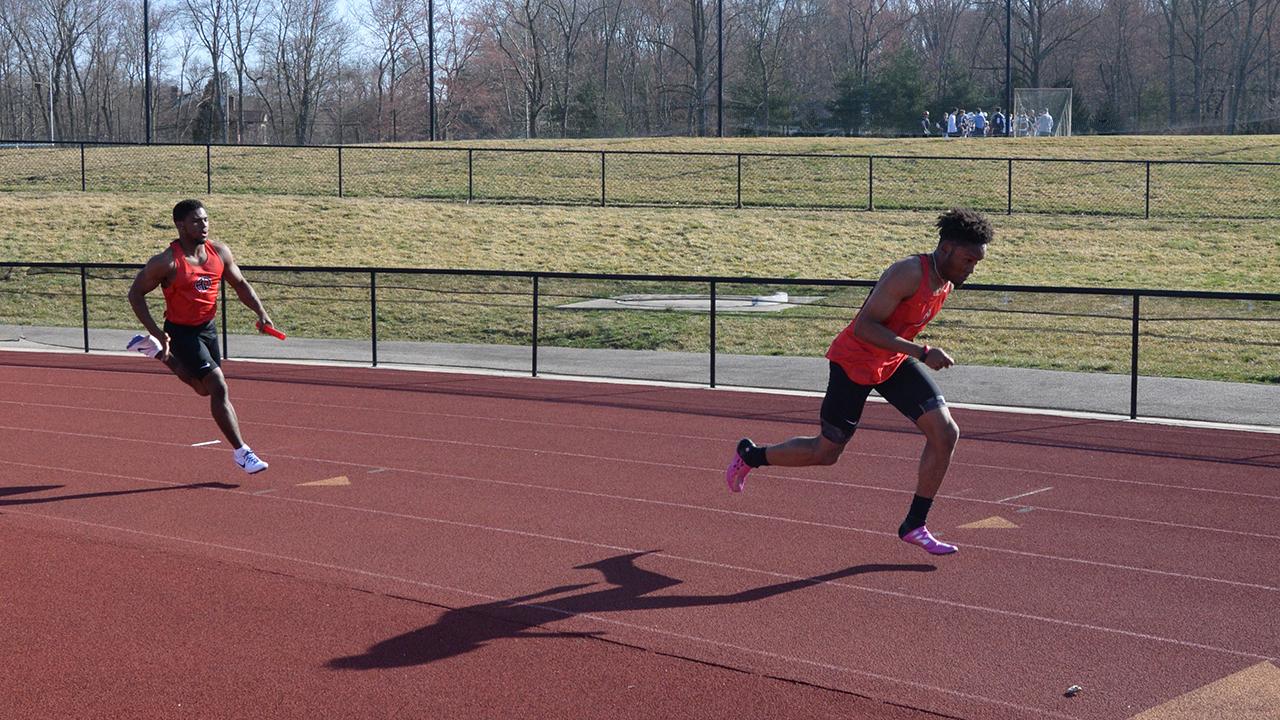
(903, 176)
(1087, 333)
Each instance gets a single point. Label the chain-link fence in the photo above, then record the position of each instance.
(1134, 188)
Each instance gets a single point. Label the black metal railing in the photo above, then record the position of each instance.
(1070, 317)
(1117, 187)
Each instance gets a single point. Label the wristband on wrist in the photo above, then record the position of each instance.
(924, 352)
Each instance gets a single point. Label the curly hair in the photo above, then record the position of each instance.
(185, 208)
(966, 226)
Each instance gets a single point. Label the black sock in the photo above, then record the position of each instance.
(751, 453)
(916, 515)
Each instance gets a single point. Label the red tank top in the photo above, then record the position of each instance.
(191, 298)
(867, 364)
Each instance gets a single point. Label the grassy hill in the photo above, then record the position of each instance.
(1222, 340)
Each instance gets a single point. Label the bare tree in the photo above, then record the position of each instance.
(245, 19)
(865, 25)
(768, 27)
(1046, 26)
(1197, 24)
(569, 18)
(936, 24)
(208, 22)
(458, 41)
(306, 41)
(1250, 19)
(519, 29)
(48, 33)
(387, 21)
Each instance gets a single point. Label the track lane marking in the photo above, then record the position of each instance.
(673, 466)
(1025, 494)
(611, 429)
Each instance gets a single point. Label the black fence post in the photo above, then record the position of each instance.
(222, 292)
(871, 182)
(1133, 362)
(84, 304)
(208, 169)
(373, 314)
(470, 177)
(1008, 210)
(82, 180)
(339, 171)
(535, 325)
(739, 181)
(602, 179)
(713, 333)
(1146, 213)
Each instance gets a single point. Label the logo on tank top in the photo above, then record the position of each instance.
(203, 283)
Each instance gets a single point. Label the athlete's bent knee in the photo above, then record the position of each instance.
(947, 436)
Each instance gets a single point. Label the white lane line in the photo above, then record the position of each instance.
(662, 503)
(207, 442)
(1025, 494)
(675, 466)
(1171, 423)
(562, 426)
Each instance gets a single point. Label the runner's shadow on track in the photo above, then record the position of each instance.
(462, 630)
(22, 489)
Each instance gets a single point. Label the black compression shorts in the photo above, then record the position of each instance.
(195, 347)
(910, 389)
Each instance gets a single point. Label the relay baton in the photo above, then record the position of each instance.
(270, 330)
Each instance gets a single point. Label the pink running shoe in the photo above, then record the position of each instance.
(735, 476)
(925, 539)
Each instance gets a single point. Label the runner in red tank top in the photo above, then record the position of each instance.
(190, 271)
(876, 352)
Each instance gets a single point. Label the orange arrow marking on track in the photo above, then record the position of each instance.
(1251, 694)
(995, 522)
(328, 482)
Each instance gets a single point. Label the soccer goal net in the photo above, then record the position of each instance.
(1038, 112)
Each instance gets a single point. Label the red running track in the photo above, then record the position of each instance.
(512, 547)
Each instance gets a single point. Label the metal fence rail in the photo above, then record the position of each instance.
(1127, 188)
(381, 294)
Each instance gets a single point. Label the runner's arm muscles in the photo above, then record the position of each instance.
(243, 289)
(149, 278)
(898, 283)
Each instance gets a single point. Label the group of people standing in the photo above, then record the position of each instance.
(961, 123)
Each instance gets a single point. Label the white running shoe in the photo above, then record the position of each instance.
(145, 344)
(248, 460)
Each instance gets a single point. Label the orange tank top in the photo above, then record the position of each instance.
(191, 298)
(867, 364)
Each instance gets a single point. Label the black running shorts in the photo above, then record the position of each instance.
(196, 348)
(910, 389)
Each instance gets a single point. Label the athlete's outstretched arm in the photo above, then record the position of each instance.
(149, 278)
(898, 283)
(244, 290)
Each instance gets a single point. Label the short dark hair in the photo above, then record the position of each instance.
(963, 225)
(185, 208)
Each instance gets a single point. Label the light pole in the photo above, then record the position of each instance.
(49, 87)
(431, 62)
(719, 68)
(1008, 67)
(146, 65)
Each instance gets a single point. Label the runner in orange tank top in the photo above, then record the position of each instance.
(877, 352)
(190, 272)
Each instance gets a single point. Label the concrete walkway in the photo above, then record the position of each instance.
(1168, 398)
